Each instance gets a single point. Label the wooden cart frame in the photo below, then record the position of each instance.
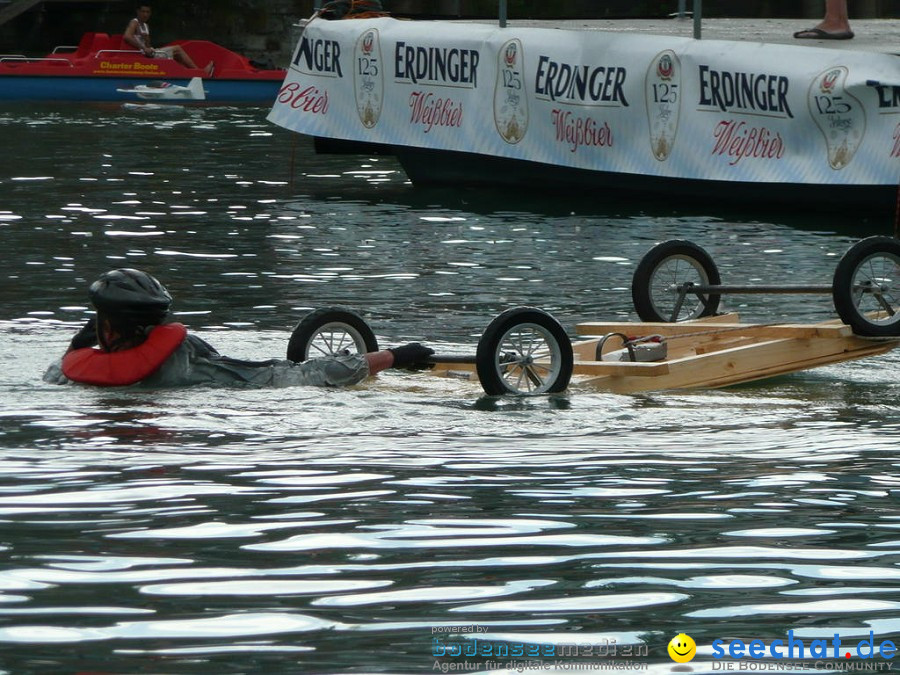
(681, 342)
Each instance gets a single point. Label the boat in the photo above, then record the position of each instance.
(682, 342)
(103, 67)
(612, 113)
(166, 91)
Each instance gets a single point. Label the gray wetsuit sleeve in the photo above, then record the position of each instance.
(196, 362)
(337, 371)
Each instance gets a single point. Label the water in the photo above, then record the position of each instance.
(307, 530)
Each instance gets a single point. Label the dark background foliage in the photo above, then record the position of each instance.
(259, 25)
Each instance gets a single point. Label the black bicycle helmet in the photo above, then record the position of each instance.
(130, 293)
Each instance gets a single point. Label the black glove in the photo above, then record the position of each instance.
(86, 337)
(413, 356)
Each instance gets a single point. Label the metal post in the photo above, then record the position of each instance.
(681, 8)
(502, 13)
(698, 16)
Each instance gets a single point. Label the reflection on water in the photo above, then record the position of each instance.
(202, 530)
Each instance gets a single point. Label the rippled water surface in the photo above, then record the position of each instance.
(306, 530)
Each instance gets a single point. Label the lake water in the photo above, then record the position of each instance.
(306, 530)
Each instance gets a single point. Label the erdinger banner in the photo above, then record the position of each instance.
(617, 102)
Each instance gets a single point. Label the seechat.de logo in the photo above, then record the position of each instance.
(682, 648)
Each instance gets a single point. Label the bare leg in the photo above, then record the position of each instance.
(836, 19)
(181, 56)
(835, 25)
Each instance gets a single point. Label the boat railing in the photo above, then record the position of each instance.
(503, 12)
(35, 59)
(119, 51)
(68, 48)
(697, 13)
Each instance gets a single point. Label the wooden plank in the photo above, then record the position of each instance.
(770, 367)
(443, 367)
(649, 327)
(673, 330)
(746, 363)
(711, 352)
(622, 368)
(716, 345)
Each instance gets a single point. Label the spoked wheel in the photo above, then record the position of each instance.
(524, 351)
(331, 331)
(661, 277)
(866, 287)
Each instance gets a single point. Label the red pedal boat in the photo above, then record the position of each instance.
(105, 68)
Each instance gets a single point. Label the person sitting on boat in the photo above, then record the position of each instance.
(137, 34)
(140, 344)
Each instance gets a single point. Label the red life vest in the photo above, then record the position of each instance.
(116, 369)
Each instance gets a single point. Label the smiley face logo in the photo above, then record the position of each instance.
(682, 648)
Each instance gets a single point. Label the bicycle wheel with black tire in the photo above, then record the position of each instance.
(524, 351)
(330, 331)
(661, 275)
(866, 287)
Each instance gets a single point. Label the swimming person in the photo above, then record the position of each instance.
(140, 344)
